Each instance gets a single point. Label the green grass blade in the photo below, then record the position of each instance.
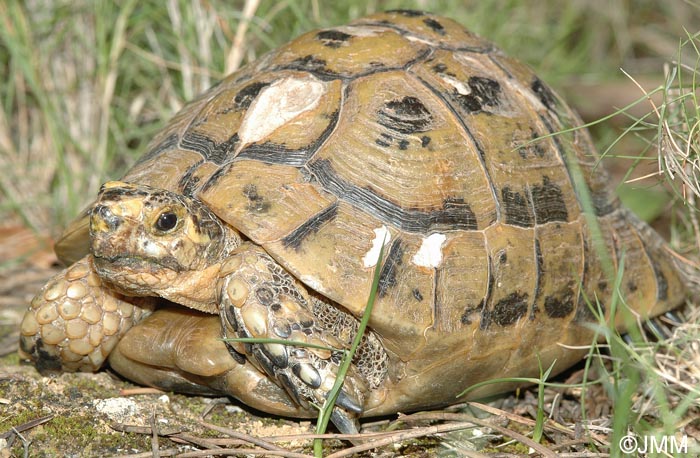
(327, 408)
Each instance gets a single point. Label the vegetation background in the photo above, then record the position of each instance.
(85, 84)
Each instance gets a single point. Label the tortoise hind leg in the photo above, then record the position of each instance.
(76, 320)
(260, 299)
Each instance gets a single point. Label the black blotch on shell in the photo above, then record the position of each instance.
(484, 92)
(544, 93)
(434, 25)
(333, 38)
(387, 276)
(256, 203)
(408, 13)
(417, 294)
(310, 63)
(245, 96)
(548, 201)
(517, 208)
(407, 115)
(469, 311)
(510, 309)
(560, 305)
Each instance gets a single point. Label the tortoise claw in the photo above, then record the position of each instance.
(275, 306)
(344, 423)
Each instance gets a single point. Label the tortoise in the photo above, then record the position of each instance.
(260, 211)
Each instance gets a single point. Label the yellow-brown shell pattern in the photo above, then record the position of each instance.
(403, 128)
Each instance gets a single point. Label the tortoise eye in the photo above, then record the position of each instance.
(166, 221)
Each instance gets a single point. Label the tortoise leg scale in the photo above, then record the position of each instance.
(75, 321)
(261, 300)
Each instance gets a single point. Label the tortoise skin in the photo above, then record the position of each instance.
(405, 127)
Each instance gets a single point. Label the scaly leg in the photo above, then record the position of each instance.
(75, 321)
(261, 300)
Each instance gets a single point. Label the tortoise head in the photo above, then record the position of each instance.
(152, 242)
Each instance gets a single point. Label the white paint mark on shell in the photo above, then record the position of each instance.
(359, 30)
(430, 252)
(420, 40)
(279, 103)
(380, 234)
(455, 83)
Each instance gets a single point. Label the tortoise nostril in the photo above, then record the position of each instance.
(110, 220)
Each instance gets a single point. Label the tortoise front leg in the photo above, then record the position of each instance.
(76, 320)
(260, 299)
(179, 349)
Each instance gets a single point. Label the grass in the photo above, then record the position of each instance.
(87, 84)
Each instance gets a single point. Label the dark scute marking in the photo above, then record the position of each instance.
(517, 208)
(223, 150)
(535, 148)
(544, 93)
(631, 286)
(188, 183)
(273, 153)
(502, 257)
(424, 141)
(469, 311)
(417, 294)
(485, 315)
(509, 309)
(208, 148)
(434, 25)
(560, 305)
(199, 143)
(539, 271)
(215, 177)
(408, 13)
(454, 214)
(403, 144)
(256, 202)
(168, 143)
(439, 68)
(333, 38)
(485, 92)
(548, 201)
(387, 276)
(310, 63)
(295, 238)
(382, 143)
(407, 115)
(245, 96)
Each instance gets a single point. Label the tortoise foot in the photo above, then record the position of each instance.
(300, 352)
(75, 321)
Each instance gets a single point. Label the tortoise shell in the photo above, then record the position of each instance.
(501, 231)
